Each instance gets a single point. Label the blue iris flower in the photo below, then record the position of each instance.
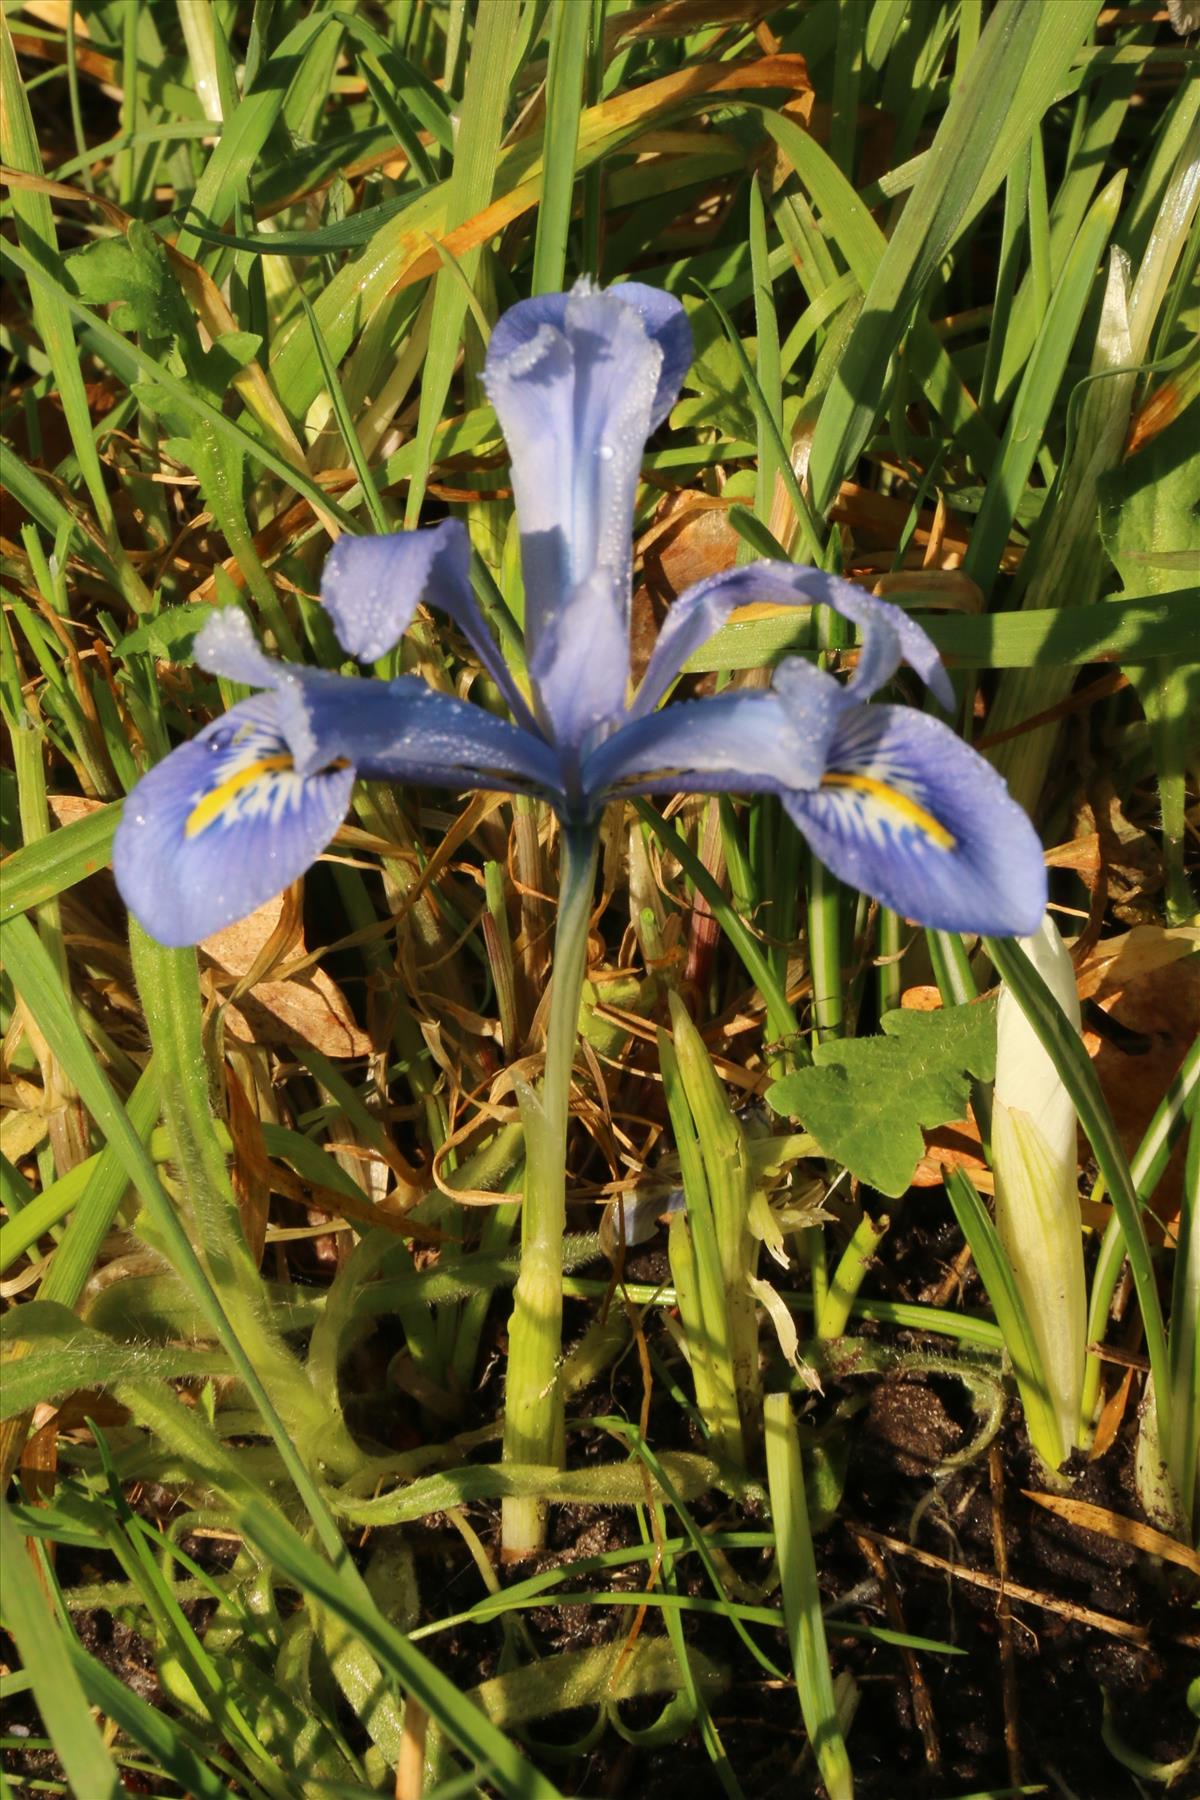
(888, 797)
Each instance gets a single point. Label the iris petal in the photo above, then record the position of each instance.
(223, 824)
(395, 730)
(909, 813)
(574, 381)
(889, 635)
(371, 588)
(745, 742)
(662, 316)
(404, 731)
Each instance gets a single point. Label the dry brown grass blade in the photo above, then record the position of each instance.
(621, 113)
(1116, 1526)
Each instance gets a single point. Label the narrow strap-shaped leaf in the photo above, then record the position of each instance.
(564, 92)
(38, 871)
(1025, 50)
(996, 1273)
(802, 1597)
(238, 146)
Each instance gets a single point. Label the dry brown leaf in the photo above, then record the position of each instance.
(925, 998)
(1148, 980)
(1111, 1417)
(311, 1008)
(1082, 855)
(1115, 1525)
(943, 590)
(689, 540)
(954, 1147)
(66, 808)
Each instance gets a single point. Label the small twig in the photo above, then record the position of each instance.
(1012, 1718)
(918, 1687)
(1083, 1615)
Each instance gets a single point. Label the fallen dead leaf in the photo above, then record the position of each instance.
(954, 1147)
(66, 808)
(1148, 980)
(1111, 1417)
(687, 542)
(310, 1007)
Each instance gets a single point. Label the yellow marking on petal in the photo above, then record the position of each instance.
(889, 796)
(214, 804)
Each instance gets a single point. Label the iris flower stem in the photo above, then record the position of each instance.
(825, 950)
(533, 1415)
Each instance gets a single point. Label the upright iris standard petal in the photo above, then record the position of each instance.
(576, 384)
(371, 588)
(909, 813)
(745, 742)
(579, 666)
(662, 317)
(223, 824)
(889, 635)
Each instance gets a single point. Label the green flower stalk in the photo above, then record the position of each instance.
(533, 1415)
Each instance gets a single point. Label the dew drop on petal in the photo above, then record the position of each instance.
(605, 452)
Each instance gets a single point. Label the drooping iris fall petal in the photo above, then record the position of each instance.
(223, 824)
(743, 742)
(909, 813)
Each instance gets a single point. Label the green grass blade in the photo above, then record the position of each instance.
(1185, 1332)
(767, 361)
(996, 1273)
(38, 871)
(771, 433)
(782, 1022)
(477, 147)
(1039, 388)
(239, 145)
(458, 1717)
(35, 231)
(1014, 75)
(1132, 630)
(570, 30)
(48, 1662)
(36, 980)
(350, 437)
(802, 1597)
(95, 1204)
(160, 1737)
(127, 353)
